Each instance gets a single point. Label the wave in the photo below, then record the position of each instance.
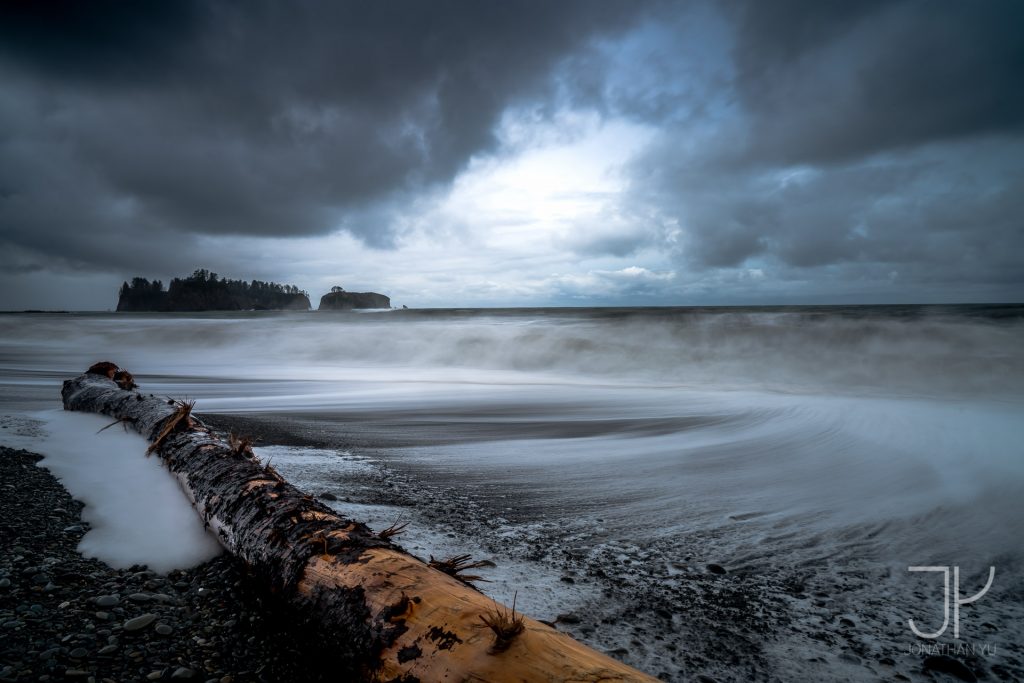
(949, 352)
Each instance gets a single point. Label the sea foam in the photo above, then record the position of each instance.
(137, 511)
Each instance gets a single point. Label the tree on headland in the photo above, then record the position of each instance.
(205, 290)
(142, 295)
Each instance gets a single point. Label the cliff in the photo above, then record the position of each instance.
(206, 291)
(340, 300)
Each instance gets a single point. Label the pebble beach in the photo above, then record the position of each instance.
(67, 617)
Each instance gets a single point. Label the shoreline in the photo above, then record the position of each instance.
(665, 605)
(207, 623)
(762, 620)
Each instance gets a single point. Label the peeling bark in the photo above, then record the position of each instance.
(396, 617)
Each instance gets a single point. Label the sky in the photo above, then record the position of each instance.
(516, 153)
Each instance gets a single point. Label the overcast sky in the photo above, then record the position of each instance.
(490, 153)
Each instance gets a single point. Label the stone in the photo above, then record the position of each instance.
(139, 622)
(716, 568)
(140, 597)
(79, 653)
(164, 629)
(107, 649)
(182, 673)
(5, 583)
(107, 601)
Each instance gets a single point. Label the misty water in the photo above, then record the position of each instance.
(605, 458)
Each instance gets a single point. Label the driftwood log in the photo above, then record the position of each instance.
(400, 618)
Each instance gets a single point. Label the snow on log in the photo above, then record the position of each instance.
(396, 617)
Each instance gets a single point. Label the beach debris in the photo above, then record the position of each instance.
(241, 446)
(272, 472)
(125, 380)
(505, 624)
(455, 565)
(124, 422)
(392, 531)
(105, 368)
(330, 569)
(181, 417)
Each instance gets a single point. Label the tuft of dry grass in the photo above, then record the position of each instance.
(180, 417)
(455, 565)
(505, 624)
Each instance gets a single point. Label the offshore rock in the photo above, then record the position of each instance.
(340, 300)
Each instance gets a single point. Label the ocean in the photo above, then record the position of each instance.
(734, 492)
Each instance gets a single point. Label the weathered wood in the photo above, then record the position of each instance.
(402, 619)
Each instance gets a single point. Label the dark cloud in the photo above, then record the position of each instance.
(833, 81)
(861, 140)
(130, 120)
(868, 142)
(948, 213)
(107, 40)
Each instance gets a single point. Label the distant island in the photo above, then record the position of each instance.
(206, 291)
(340, 300)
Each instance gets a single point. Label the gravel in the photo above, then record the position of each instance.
(63, 616)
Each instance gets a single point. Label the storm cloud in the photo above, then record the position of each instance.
(258, 118)
(855, 141)
(771, 149)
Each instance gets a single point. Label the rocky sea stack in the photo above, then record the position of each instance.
(340, 300)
